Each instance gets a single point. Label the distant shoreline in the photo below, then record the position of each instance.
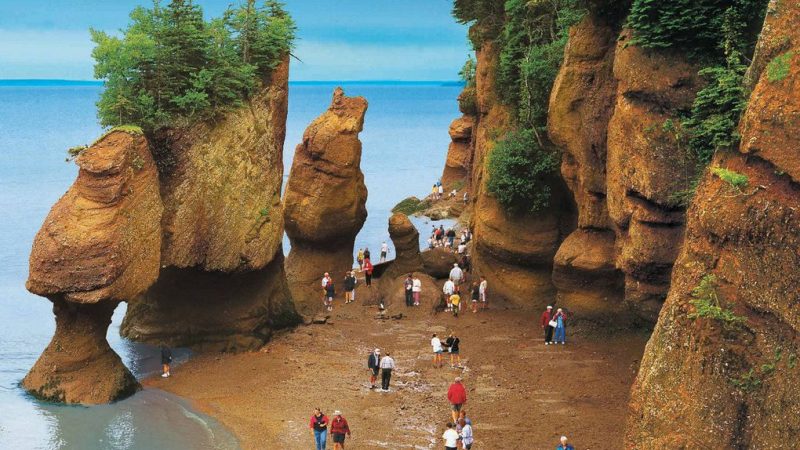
(57, 82)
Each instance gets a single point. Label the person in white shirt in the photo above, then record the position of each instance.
(462, 247)
(482, 290)
(436, 343)
(387, 364)
(456, 275)
(448, 290)
(466, 434)
(325, 279)
(384, 251)
(450, 437)
(416, 289)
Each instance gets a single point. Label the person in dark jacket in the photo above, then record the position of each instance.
(408, 289)
(349, 287)
(330, 292)
(563, 445)
(452, 342)
(373, 364)
(319, 428)
(547, 316)
(166, 360)
(339, 429)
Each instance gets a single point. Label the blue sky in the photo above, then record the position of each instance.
(338, 39)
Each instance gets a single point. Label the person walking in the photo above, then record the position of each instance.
(366, 253)
(367, 272)
(448, 290)
(452, 342)
(373, 365)
(330, 293)
(166, 360)
(457, 396)
(339, 429)
(451, 237)
(360, 259)
(387, 365)
(408, 289)
(319, 428)
(455, 303)
(450, 437)
(349, 287)
(441, 191)
(564, 445)
(416, 288)
(456, 275)
(482, 290)
(547, 325)
(466, 434)
(384, 251)
(476, 295)
(436, 343)
(560, 333)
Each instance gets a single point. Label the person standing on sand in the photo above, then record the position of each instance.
(466, 434)
(563, 445)
(476, 295)
(339, 429)
(482, 289)
(457, 396)
(456, 275)
(319, 428)
(360, 259)
(374, 364)
(560, 334)
(349, 287)
(450, 437)
(326, 278)
(435, 192)
(547, 318)
(384, 251)
(387, 365)
(448, 290)
(330, 293)
(368, 272)
(455, 302)
(408, 289)
(452, 342)
(436, 343)
(166, 360)
(416, 289)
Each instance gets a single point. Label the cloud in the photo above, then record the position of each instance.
(347, 61)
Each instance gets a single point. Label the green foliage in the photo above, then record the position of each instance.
(457, 185)
(468, 101)
(778, 68)
(717, 109)
(695, 26)
(170, 67)
(755, 377)
(518, 172)
(73, 152)
(736, 180)
(467, 72)
(532, 48)
(137, 163)
(411, 206)
(263, 212)
(748, 382)
(707, 304)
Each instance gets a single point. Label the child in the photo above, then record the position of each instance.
(330, 292)
(455, 300)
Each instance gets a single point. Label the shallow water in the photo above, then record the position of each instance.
(405, 142)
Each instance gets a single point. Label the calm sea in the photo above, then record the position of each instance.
(405, 142)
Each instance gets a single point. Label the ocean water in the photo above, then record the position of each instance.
(405, 142)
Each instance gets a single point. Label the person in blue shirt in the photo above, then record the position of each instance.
(564, 445)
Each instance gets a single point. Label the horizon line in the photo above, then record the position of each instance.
(99, 82)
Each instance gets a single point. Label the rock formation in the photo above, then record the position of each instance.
(222, 285)
(405, 238)
(459, 154)
(324, 203)
(726, 378)
(581, 105)
(99, 245)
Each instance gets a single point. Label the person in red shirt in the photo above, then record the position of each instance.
(547, 316)
(319, 428)
(368, 272)
(339, 429)
(457, 395)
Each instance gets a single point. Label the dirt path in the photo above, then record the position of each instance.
(522, 394)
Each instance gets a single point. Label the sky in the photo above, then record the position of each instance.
(338, 39)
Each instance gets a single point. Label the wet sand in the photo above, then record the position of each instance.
(521, 393)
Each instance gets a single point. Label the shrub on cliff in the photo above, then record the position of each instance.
(518, 171)
(171, 67)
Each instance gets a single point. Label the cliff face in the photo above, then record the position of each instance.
(581, 105)
(514, 253)
(324, 203)
(99, 245)
(222, 285)
(713, 380)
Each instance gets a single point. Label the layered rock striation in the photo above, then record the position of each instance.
(324, 203)
(99, 245)
(726, 377)
(222, 285)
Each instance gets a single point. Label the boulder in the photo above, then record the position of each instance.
(405, 238)
(710, 380)
(324, 203)
(438, 262)
(99, 245)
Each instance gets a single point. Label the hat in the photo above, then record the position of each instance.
(549, 307)
(455, 265)
(377, 350)
(458, 379)
(337, 413)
